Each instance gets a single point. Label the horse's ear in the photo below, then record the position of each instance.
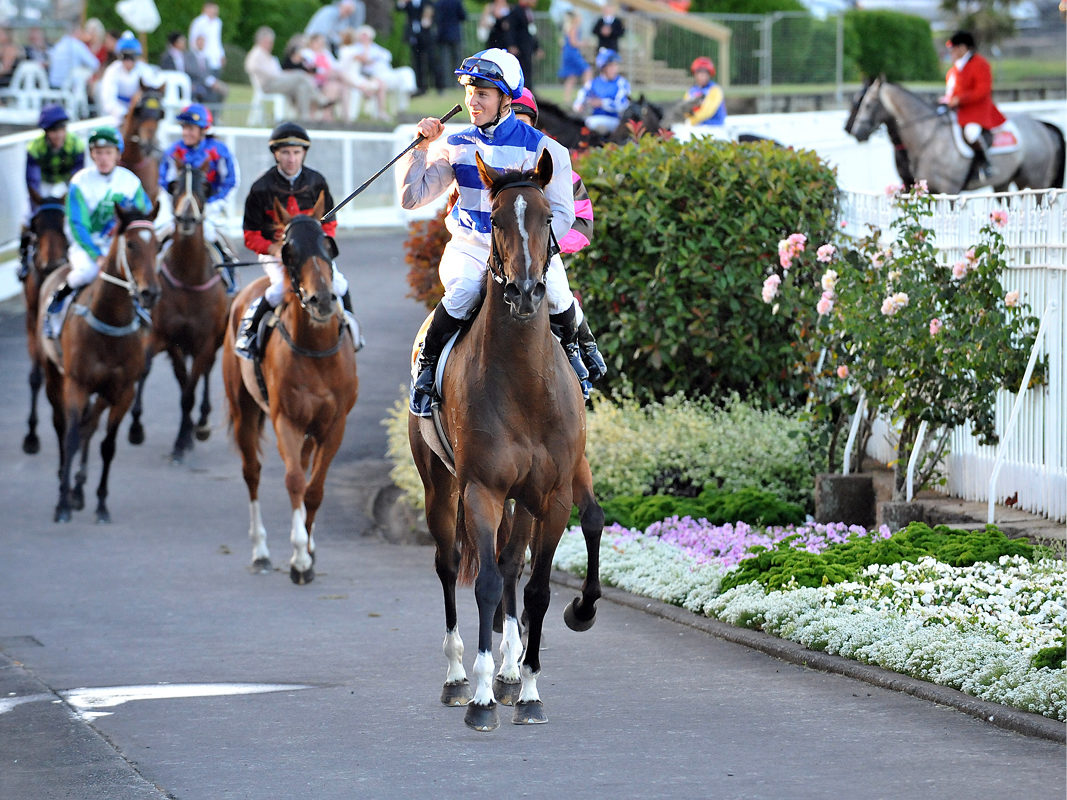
(320, 204)
(544, 168)
(280, 214)
(331, 248)
(155, 209)
(485, 172)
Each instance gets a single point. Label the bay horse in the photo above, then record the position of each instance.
(140, 152)
(929, 138)
(189, 320)
(49, 254)
(309, 384)
(569, 129)
(512, 429)
(100, 353)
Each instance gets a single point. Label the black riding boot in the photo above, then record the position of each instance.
(594, 362)
(248, 344)
(442, 326)
(229, 275)
(565, 326)
(55, 312)
(25, 253)
(982, 168)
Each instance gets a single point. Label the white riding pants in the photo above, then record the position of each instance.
(275, 270)
(83, 268)
(601, 123)
(971, 132)
(462, 272)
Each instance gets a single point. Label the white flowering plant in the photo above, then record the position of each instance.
(924, 339)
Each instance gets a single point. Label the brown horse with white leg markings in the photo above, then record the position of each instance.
(513, 419)
(100, 354)
(309, 384)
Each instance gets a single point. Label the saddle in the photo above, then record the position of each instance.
(1002, 139)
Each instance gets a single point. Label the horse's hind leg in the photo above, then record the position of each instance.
(203, 428)
(89, 421)
(580, 613)
(31, 444)
(187, 385)
(107, 453)
(248, 422)
(136, 434)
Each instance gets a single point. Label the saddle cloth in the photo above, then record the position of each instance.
(1003, 139)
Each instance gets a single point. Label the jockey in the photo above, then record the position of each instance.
(493, 79)
(969, 90)
(197, 147)
(709, 104)
(94, 193)
(122, 78)
(606, 96)
(51, 160)
(577, 238)
(297, 187)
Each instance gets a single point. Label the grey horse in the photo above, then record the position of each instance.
(927, 136)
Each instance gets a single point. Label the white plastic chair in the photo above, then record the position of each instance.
(178, 91)
(76, 93)
(261, 99)
(30, 90)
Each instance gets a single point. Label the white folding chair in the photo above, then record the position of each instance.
(260, 99)
(29, 88)
(177, 92)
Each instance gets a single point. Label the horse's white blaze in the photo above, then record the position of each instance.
(528, 693)
(257, 533)
(298, 536)
(520, 220)
(510, 651)
(483, 678)
(453, 649)
(145, 235)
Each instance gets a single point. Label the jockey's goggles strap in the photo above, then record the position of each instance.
(482, 67)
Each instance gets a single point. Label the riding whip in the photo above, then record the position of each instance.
(418, 140)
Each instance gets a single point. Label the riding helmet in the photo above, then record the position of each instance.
(289, 134)
(105, 136)
(196, 114)
(525, 104)
(604, 56)
(127, 43)
(493, 69)
(51, 116)
(703, 62)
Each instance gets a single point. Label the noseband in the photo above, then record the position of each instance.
(496, 263)
(188, 198)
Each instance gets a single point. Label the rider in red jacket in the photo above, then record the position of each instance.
(969, 90)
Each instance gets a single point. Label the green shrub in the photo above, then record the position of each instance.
(778, 566)
(1050, 657)
(899, 46)
(753, 506)
(683, 233)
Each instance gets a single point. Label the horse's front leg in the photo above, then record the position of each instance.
(507, 683)
(136, 434)
(70, 430)
(291, 444)
(482, 510)
(31, 444)
(247, 422)
(580, 613)
(107, 451)
(528, 709)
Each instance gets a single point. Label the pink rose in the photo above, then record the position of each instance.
(842, 371)
(935, 326)
(826, 302)
(959, 270)
(770, 288)
(1000, 218)
(1011, 299)
(825, 253)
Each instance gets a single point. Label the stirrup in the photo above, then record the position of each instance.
(574, 354)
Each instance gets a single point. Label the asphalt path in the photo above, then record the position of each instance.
(143, 659)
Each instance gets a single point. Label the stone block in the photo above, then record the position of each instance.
(845, 498)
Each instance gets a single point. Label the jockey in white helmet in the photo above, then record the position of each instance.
(493, 78)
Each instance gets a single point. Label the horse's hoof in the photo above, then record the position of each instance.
(62, 514)
(136, 433)
(77, 498)
(574, 622)
(301, 578)
(261, 566)
(203, 433)
(103, 516)
(457, 694)
(482, 718)
(506, 692)
(177, 455)
(31, 445)
(529, 712)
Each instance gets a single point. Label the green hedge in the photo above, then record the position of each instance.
(684, 236)
(899, 46)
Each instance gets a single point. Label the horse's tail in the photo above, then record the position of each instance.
(1057, 175)
(468, 548)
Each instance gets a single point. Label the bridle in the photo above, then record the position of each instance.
(495, 264)
(188, 222)
(141, 316)
(294, 274)
(127, 281)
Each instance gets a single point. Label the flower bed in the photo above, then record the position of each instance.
(985, 629)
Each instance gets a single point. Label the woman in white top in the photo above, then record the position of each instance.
(360, 52)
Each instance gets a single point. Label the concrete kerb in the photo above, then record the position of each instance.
(395, 521)
(1001, 716)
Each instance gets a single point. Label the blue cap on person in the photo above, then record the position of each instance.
(493, 68)
(604, 56)
(51, 116)
(196, 114)
(105, 136)
(127, 43)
